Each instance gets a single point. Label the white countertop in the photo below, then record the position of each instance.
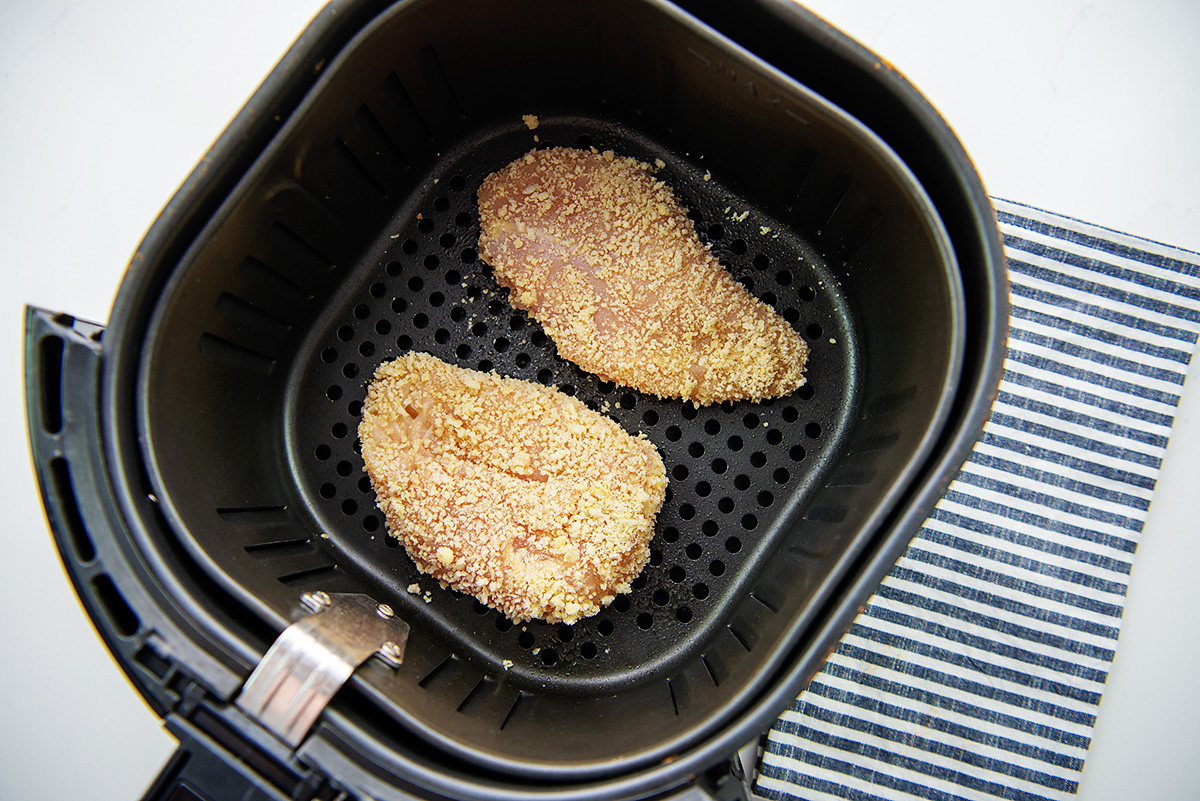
(1085, 108)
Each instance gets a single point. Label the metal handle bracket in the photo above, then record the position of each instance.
(314, 656)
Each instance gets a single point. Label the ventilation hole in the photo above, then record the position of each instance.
(703, 489)
(588, 650)
(457, 183)
(696, 450)
(367, 349)
(345, 333)
(441, 336)
(683, 614)
(447, 240)
(463, 351)
(327, 491)
(364, 484)
(525, 639)
(383, 328)
(725, 505)
(479, 329)
(735, 443)
(716, 567)
(813, 331)
(758, 459)
(584, 141)
(733, 545)
(362, 311)
(501, 345)
(656, 558)
(544, 376)
(807, 293)
(693, 551)
(680, 472)
(676, 573)
(783, 278)
(621, 604)
(806, 392)
(409, 246)
(748, 282)
(762, 261)
(431, 262)
(712, 427)
(797, 453)
(458, 314)
(425, 225)
(522, 360)
(742, 482)
(398, 306)
(377, 290)
(468, 255)
(673, 433)
(391, 542)
(564, 633)
(462, 219)
(567, 389)
(670, 534)
(700, 591)
(738, 246)
(420, 320)
(393, 268)
(539, 339)
(436, 299)
(549, 656)
(813, 430)
(118, 612)
(774, 436)
(644, 621)
(370, 523)
(344, 468)
(322, 453)
(749, 522)
(710, 528)
(765, 498)
(687, 511)
(650, 417)
(503, 624)
(404, 342)
(719, 466)
(695, 216)
(628, 401)
(605, 387)
(333, 392)
(329, 355)
(485, 366)
(452, 277)
(349, 506)
(790, 414)
(716, 231)
(339, 430)
(605, 627)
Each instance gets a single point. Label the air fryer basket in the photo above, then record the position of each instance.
(352, 240)
(197, 458)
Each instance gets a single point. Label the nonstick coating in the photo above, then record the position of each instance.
(353, 239)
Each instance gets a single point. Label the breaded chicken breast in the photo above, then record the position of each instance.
(605, 258)
(509, 491)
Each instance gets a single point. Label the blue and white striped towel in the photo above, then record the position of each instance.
(976, 669)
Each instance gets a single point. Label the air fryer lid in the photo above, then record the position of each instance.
(352, 240)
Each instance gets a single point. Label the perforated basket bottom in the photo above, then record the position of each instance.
(736, 469)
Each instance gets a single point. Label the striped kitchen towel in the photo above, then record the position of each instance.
(976, 669)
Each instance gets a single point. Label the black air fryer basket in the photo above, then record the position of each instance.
(199, 463)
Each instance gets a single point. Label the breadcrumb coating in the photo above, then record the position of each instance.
(507, 490)
(605, 257)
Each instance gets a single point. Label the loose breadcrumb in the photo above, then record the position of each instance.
(605, 257)
(530, 120)
(507, 490)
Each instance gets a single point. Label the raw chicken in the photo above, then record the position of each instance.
(604, 256)
(509, 491)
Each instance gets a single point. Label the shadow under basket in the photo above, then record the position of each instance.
(350, 237)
